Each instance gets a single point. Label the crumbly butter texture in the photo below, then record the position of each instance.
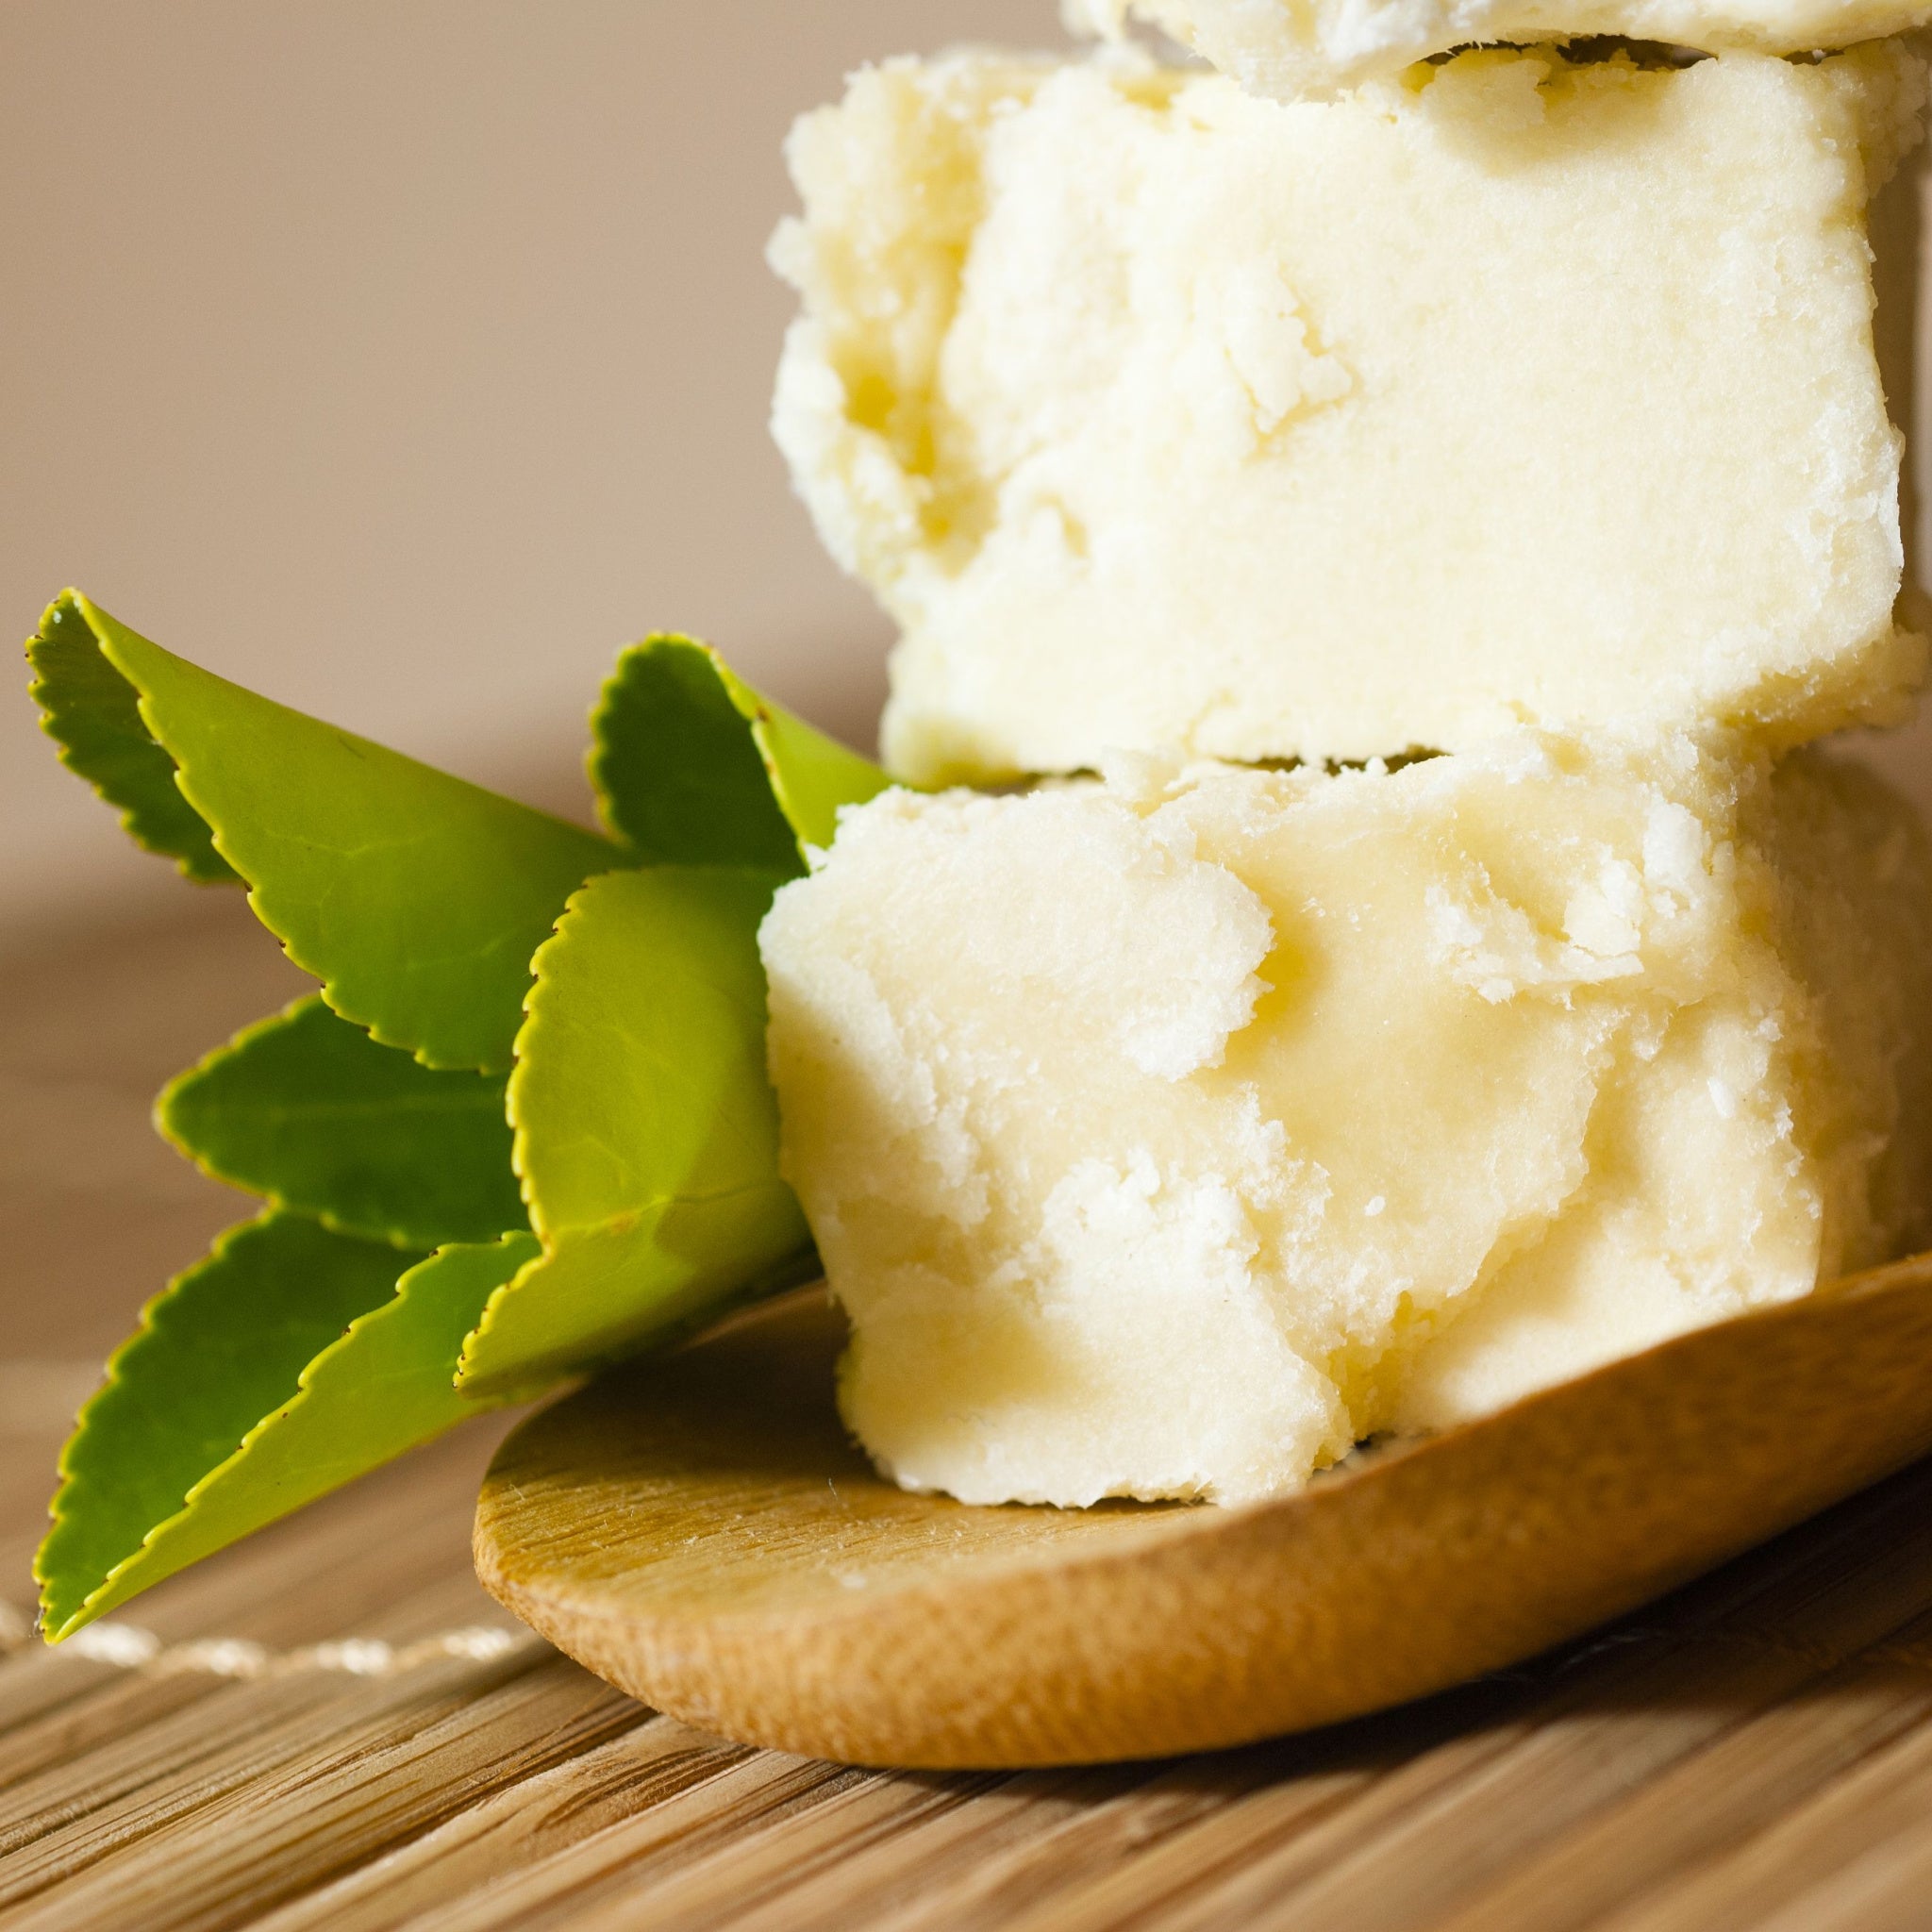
(1516, 393)
(1292, 48)
(1167, 1136)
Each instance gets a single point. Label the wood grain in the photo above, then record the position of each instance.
(1752, 1751)
(700, 1532)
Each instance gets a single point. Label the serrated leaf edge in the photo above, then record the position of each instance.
(77, 603)
(487, 1389)
(277, 1201)
(756, 712)
(547, 1235)
(327, 986)
(96, 1599)
(467, 1381)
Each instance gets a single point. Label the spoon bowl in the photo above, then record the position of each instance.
(700, 1531)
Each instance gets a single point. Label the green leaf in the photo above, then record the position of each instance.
(217, 1350)
(646, 1129)
(692, 767)
(310, 1112)
(91, 711)
(417, 899)
(287, 1363)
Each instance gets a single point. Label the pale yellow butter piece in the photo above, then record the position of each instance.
(1292, 48)
(1167, 1136)
(1519, 392)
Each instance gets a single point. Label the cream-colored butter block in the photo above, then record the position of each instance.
(1295, 48)
(1167, 1136)
(1518, 393)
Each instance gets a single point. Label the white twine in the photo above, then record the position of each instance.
(129, 1647)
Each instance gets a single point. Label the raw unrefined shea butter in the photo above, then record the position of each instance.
(1167, 1136)
(1288, 48)
(1517, 392)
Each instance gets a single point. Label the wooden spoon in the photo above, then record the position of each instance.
(700, 1532)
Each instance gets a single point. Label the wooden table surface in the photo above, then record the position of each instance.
(332, 1726)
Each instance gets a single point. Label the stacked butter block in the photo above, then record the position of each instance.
(1406, 542)
(1524, 391)
(1292, 48)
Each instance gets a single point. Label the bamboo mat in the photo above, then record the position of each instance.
(332, 1728)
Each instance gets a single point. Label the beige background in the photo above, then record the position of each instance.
(403, 359)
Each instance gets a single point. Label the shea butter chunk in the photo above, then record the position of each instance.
(1288, 48)
(1520, 392)
(1168, 1134)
